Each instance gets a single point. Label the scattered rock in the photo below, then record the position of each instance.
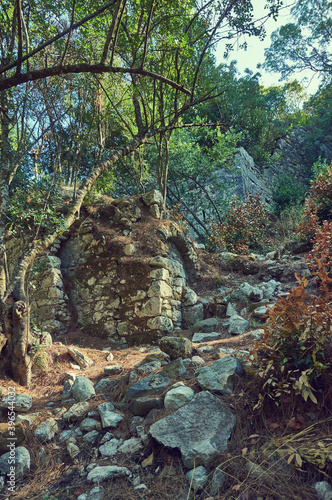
(76, 411)
(109, 418)
(19, 402)
(217, 482)
(176, 347)
(200, 429)
(197, 477)
(154, 384)
(174, 369)
(113, 369)
(206, 337)
(110, 448)
(82, 389)
(323, 490)
(89, 424)
(6, 434)
(81, 359)
(22, 462)
(46, 430)
(142, 406)
(99, 474)
(72, 448)
(131, 446)
(177, 397)
(220, 375)
(206, 325)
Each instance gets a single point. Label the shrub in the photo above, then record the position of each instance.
(287, 193)
(293, 352)
(323, 248)
(36, 206)
(318, 205)
(244, 226)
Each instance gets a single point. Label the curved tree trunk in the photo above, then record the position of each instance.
(19, 339)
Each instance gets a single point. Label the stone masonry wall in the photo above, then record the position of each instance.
(98, 278)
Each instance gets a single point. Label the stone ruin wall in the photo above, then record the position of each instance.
(114, 291)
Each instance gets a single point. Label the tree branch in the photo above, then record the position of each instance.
(110, 34)
(19, 34)
(70, 32)
(57, 37)
(39, 74)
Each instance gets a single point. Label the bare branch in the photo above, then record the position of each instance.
(147, 34)
(110, 33)
(117, 33)
(70, 32)
(19, 34)
(207, 45)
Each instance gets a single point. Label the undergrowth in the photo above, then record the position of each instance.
(244, 225)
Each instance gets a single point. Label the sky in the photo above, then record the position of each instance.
(255, 51)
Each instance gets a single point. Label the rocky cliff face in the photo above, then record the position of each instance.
(121, 273)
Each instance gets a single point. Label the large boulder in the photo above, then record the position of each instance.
(200, 429)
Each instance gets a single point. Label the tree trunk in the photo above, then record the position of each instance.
(19, 339)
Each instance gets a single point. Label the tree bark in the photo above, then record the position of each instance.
(19, 340)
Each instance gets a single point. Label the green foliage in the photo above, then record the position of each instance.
(304, 44)
(287, 193)
(199, 167)
(36, 206)
(262, 115)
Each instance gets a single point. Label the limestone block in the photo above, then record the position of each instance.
(154, 211)
(160, 323)
(159, 274)
(160, 289)
(174, 267)
(189, 297)
(206, 325)
(153, 197)
(152, 307)
(192, 314)
(82, 359)
(176, 347)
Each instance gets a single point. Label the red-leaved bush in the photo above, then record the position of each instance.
(296, 348)
(243, 226)
(317, 205)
